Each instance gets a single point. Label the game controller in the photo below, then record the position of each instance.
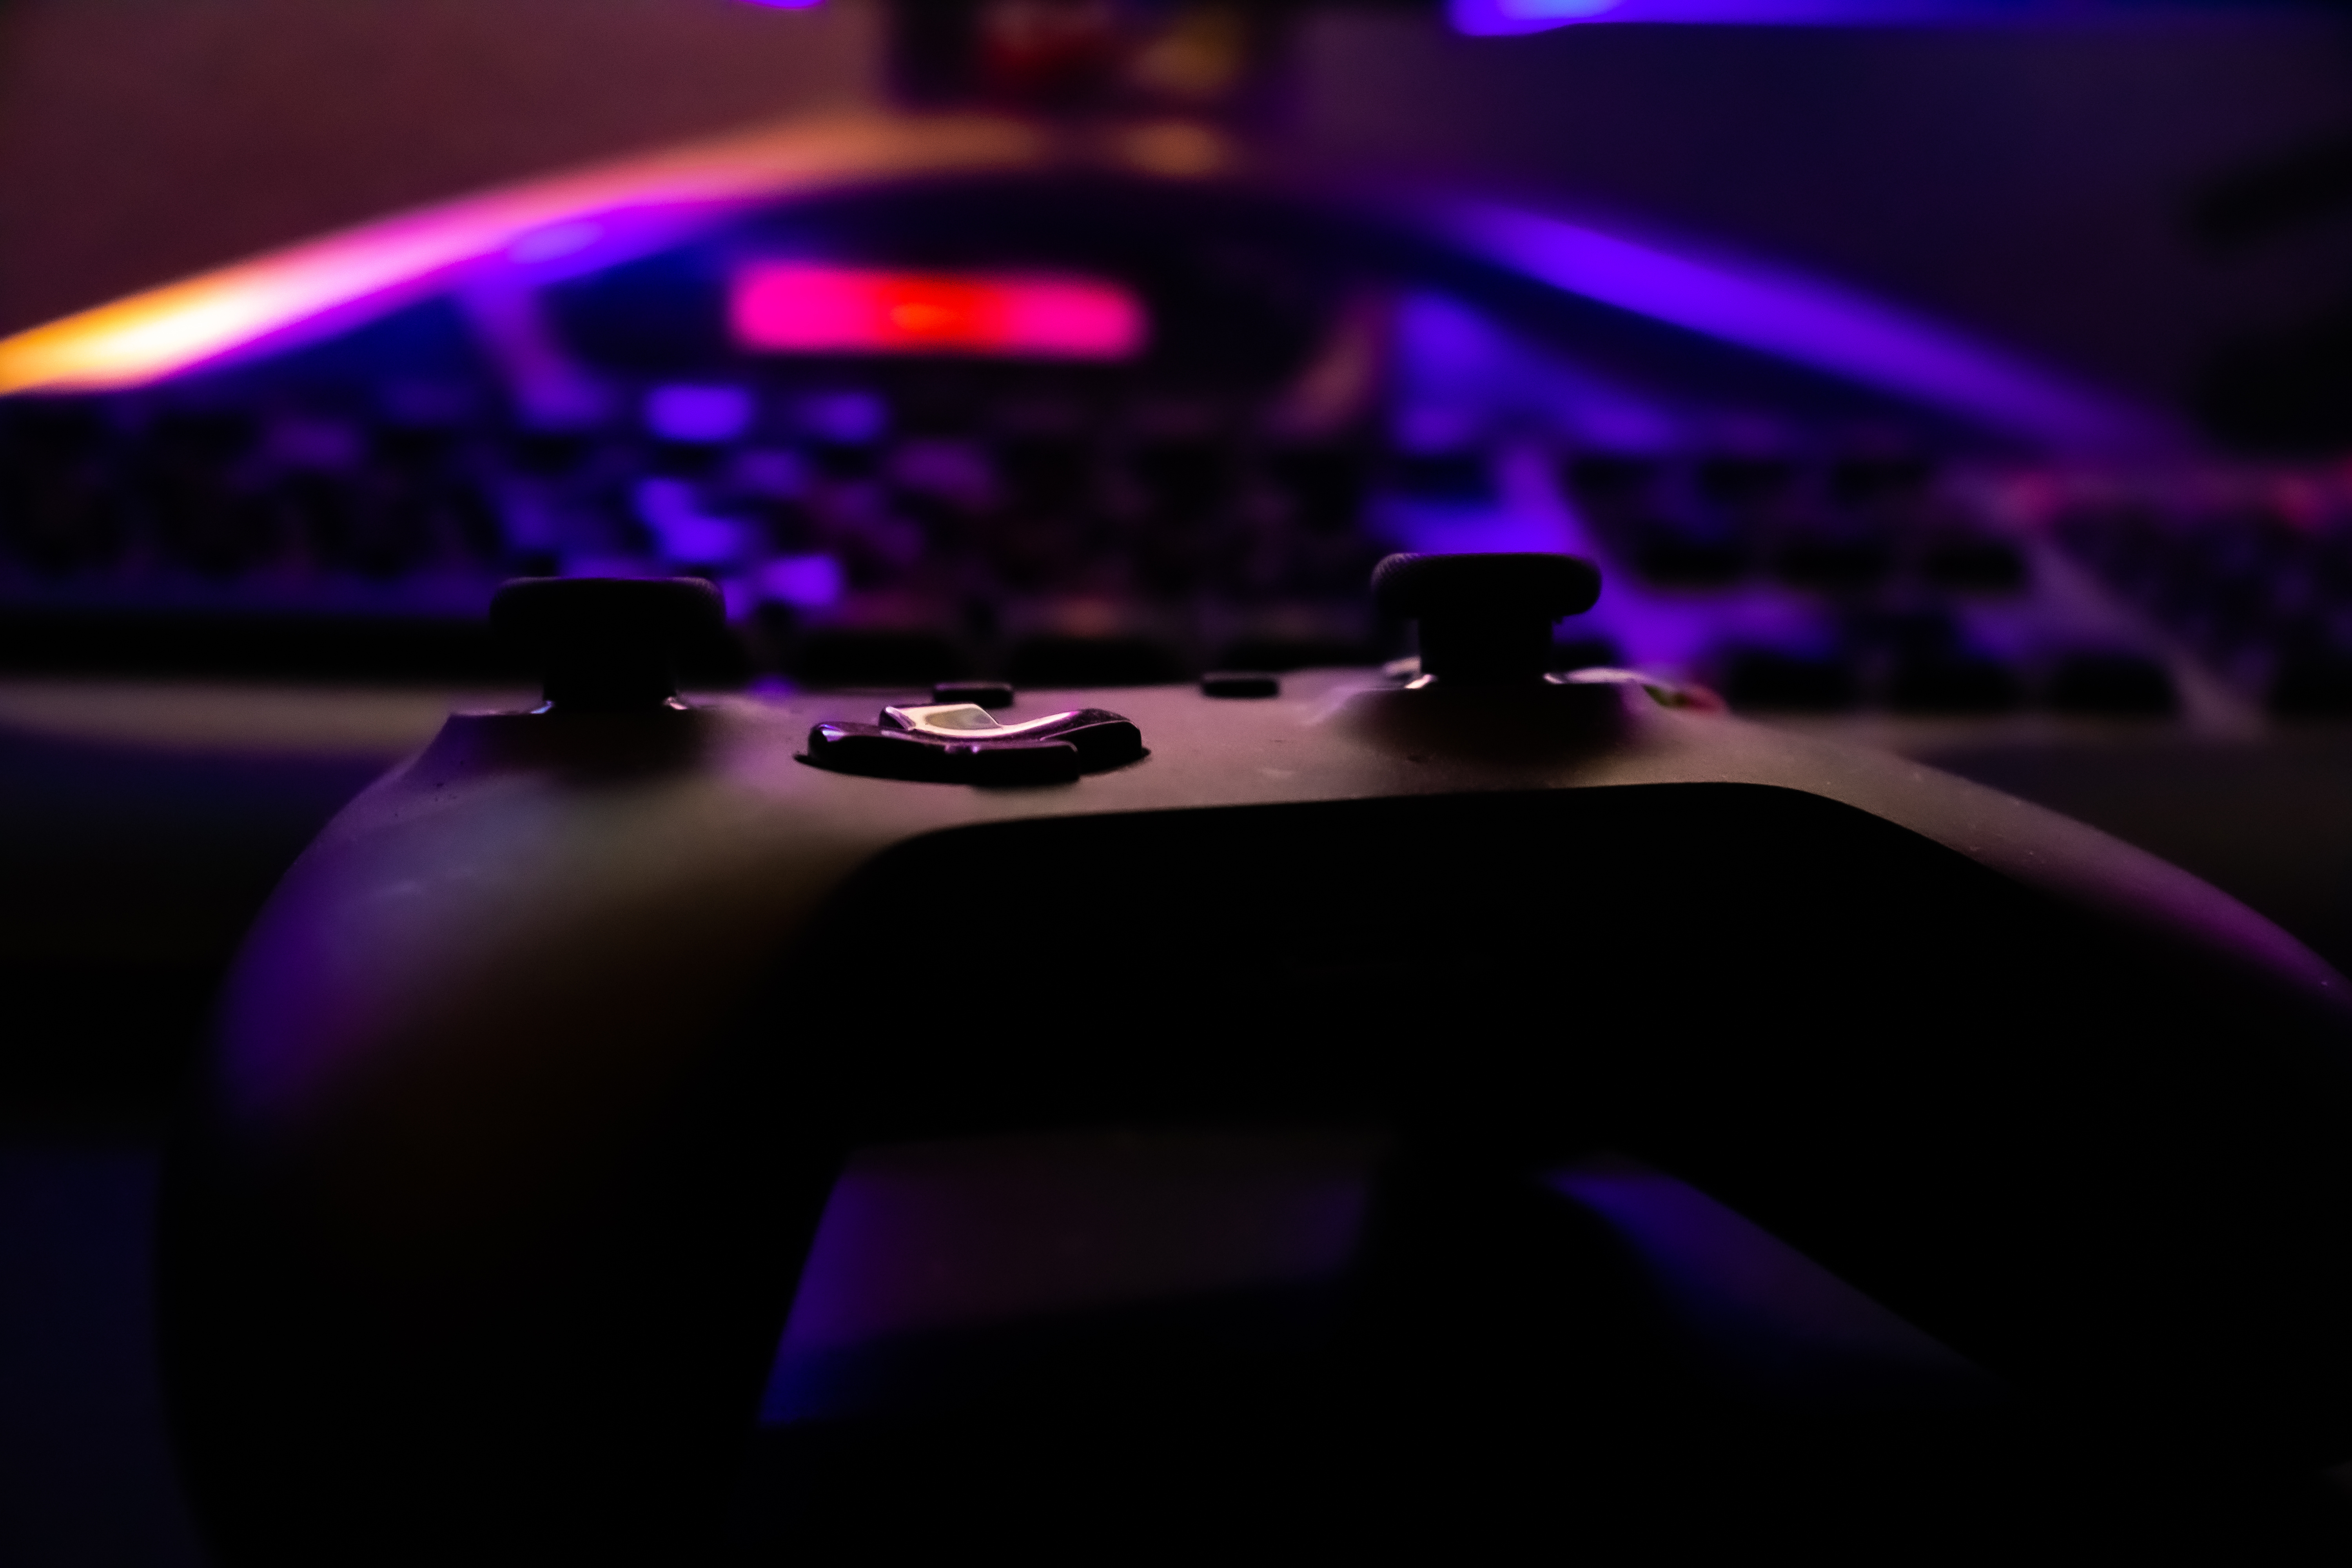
(534, 1077)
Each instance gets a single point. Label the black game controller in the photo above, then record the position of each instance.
(535, 1075)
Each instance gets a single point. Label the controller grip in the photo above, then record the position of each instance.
(2109, 1163)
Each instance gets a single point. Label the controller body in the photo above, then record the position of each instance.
(536, 1072)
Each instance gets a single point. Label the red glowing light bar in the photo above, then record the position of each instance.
(796, 307)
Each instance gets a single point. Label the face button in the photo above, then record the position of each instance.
(1239, 683)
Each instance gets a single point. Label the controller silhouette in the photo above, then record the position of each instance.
(534, 1076)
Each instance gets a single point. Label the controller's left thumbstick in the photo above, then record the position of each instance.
(607, 645)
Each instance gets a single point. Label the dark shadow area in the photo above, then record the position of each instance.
(89, 1473)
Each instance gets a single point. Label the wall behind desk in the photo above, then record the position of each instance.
(2034, 184)
(142, 140)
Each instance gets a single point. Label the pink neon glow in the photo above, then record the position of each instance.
(795, 306)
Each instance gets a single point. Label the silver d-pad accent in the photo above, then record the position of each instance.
(963, 742)
(971, 721)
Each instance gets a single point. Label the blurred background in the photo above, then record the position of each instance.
(1970, 377)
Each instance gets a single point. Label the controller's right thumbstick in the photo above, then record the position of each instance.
(1486, 619)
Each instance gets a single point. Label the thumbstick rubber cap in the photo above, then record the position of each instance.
(1415, 587)
(1485, 620)
(607, 645)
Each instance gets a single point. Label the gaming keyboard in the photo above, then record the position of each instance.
(1067, 428)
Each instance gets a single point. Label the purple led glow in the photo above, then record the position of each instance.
(1502, 19)
(688, 535)
(682, 411)
(1809, 322)
(805, 581)
(1490, 18)
(1768, 1311)
(844, 418)
(927, 1240)
(555, 242)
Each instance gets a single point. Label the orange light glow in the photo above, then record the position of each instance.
(347, 276)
